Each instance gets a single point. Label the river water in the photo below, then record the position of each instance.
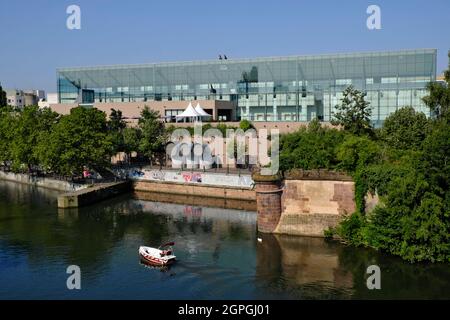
(219, 255)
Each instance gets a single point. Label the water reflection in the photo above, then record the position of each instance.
(154, 267)
(247, 205)
(218, 255)
(307, 267)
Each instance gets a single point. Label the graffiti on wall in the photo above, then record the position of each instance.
(192, 177)
(158, 175)
(207, 178)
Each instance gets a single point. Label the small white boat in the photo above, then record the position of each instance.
(162, 256)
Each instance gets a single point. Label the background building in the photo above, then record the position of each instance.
(47, 100)
(22, 98)
(297, 88)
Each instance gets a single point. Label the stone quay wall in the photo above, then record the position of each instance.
(43, 182)
(93, 194)
(309, 202)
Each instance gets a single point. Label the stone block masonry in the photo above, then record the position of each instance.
(304, 203)
(43, 182)
(192, 189)
(93, 194)
(268, 202)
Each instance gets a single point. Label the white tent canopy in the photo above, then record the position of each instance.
(202, 112)
(189, 113)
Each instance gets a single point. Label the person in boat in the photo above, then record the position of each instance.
(166, 252)
(86, 174)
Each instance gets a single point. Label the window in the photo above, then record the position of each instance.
(341, 82)
(389, 80)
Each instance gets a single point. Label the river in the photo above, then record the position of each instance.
(218, 251)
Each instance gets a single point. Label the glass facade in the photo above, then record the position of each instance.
(297, 88)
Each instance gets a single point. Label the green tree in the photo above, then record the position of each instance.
(412, 222)
(116, 121)
(438, 98)
(154, 135)
(30, 126)
(131, 140)
(357, 152)
(404, 129)
(116, 125)
(310, 148)
(354, 112)
(6, 133)
(435, 159)
(77, 140)
(3, 100)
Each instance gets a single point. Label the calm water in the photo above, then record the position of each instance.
(219, 255)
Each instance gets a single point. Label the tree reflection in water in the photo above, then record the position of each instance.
(218, 254)
(306, 268)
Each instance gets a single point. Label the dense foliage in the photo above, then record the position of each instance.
(354, 112)
(153, 134)
(39, 139)
(438, 99)
(77, 140)
(3, 101)
(406, 164)
(405, 129)
(310, 147)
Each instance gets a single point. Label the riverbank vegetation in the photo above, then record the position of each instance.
(405, 163)
(34, 139)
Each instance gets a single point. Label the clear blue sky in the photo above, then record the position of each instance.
(35, 40)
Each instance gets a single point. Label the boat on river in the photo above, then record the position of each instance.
(161, 256)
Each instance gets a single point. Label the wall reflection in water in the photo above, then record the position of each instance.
(249, 205)
(308, 266)
(219, 255)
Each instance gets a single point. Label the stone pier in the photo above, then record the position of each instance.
(268, 201)
(303, 203)
(93, 194)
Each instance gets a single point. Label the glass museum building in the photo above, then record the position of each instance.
(288, 89)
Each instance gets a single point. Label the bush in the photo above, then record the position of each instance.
(404, 129)
(245, 125)
(357, 152)
(350, 229)
(310, 148)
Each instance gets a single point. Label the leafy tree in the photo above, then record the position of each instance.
(435, 160)
(29, 127)
(404, 129)
(357, 152)
(116, 121)
(354, 112)
(131, 140)
(116, 125)
(310, 148)
(3, 100)
(438, 98)
(77, 140)
(154, 135)
(6, 133)
(412, 222)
